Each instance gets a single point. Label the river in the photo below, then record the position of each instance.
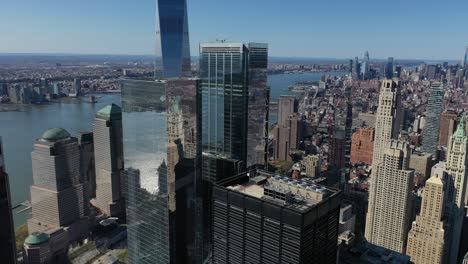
(19, 129)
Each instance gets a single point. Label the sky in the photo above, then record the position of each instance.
(404, 29)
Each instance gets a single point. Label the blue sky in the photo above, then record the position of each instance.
(423, 29)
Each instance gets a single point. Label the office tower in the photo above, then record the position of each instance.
(446, 127)
(258, 105)
(160, 135)
(262, 218)
(3, 88)
(312, 165)
(389, 68)
(58, 194)
(76, 89)
(7, 241)
(456, 168)
(286, 138)
(56, 89)
(226, 104)
(390, 199)
(88, 169)
(287, 105)
(434, 109)
(421, 163)
(172, 38)
(362, 146)
(365, 67)
(465, 59)
(431, 72)
(397, 71)
(108, 152)
(36, 249)
(428, 237)
(356, 69)
(388, 119)
(347, 220)
(285, 133)
(350, 66)
(338, 149)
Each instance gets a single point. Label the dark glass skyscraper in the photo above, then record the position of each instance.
(389, 68)
(161, 155)
(259, 217)
(234, 109)
(172, 34)
(7, 236)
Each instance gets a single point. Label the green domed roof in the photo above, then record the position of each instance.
(54, 134)
(36, 238)
(109, 110)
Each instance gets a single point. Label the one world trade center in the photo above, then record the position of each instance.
(172, 38)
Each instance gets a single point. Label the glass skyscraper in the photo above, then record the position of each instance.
(234, 109)
(160, 134)
(172, 38)
(434, 109)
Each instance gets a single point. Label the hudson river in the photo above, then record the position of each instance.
(19, 129)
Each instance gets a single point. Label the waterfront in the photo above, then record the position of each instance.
(20, 128)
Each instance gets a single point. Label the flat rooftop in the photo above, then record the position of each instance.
(299, 194)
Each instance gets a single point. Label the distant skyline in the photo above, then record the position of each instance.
(428, 30)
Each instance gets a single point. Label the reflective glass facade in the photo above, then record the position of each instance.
(223, 74)
(7, 241)
(160, 150)
(172, 42)
(234, 109)
(258, 101)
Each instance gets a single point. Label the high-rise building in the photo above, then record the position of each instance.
(37, 249)
(389, 68)
(428, 239)
(465, 59)
(172, 38)
(456, 167)
(285, 134)
(362, 146)
(388, 119)
(160, 133)
(58, 194)
(338, 149)
(88, 169)
(287, 105)
(262, 218)
(390, 199)
(434, 109)
(421, 163)
(356, 69)
(109, 163)
(365, 68)
(7, 241)
(446, 127)
(286, 138)
(76, 87)
(347, 219)
(258, 105)
(312, 165)
(432, 72)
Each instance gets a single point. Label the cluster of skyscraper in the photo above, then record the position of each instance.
(183, 135)
(434, 237)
